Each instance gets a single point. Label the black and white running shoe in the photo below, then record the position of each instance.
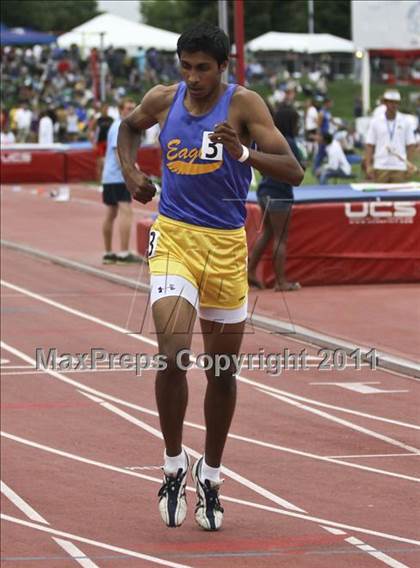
(208, 511)
(172, 498)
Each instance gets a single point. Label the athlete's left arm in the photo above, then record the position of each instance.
(274, 157)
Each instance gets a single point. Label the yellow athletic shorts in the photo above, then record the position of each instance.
(213, 260)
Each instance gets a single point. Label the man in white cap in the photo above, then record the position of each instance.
(390, 143)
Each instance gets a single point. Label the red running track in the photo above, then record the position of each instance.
(386, 316)
(320, 474)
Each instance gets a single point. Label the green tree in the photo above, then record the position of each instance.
(48, 15)
(260, 16)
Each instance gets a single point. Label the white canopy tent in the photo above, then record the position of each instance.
(301, 43)
(118, 32)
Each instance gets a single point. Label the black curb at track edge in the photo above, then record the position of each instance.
(385, 360)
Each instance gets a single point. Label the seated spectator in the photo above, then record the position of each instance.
(337, 165)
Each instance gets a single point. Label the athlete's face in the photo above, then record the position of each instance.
(201, 73)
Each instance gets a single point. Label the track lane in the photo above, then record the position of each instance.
(143, 385)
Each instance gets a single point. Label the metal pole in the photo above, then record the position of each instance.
(223, 24)
(239, 41)
(102, 68)
(311, 22)
(366, 82)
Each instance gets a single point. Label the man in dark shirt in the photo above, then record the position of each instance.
(100, 128)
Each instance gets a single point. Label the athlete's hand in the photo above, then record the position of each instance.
(226, 135)
(139, 185)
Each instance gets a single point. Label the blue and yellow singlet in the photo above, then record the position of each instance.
(196, 188)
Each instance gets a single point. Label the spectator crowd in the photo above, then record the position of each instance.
(53, 95)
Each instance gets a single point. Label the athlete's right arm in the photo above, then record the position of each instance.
(143, 116)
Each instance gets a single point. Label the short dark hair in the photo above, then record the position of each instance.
(207, 38)
(286, 119)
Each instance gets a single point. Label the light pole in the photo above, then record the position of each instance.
(311, 22)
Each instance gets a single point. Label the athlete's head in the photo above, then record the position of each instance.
(286, 118)
(203, 53)
(126, 106)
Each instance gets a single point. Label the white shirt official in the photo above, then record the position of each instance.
(390, 137)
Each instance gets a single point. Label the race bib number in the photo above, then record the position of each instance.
(153, 240)
(210, 150)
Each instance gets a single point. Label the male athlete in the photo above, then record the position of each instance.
(197, 249)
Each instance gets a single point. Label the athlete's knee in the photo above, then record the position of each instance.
(222, 372)
(279, 247)
(125, 209)
(178, 361)
(111, 213)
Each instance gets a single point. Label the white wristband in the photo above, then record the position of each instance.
(245, 154)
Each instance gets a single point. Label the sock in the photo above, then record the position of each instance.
(173, 463)
(210, 473)
(123, 253)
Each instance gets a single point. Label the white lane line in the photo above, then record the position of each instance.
(328, 459)
(73, 371)
(225, 497)
(334, 531)
(144, 339)
(375, 553)
(254, 441)
(78, 313)
(361, 387)
(238, 478)
(21, 504)
(331, 406)
(97, 543)
(346, 423)
(374, 456)
(7, 367)
(27, 510)
(75, 553)
(78, 458)
(241, 378)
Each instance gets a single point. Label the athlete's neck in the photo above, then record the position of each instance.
(197, 106)
(390, 115)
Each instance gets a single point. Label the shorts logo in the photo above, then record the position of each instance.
(168, 287)
(182, 160)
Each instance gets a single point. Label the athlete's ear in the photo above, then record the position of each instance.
(223, 66)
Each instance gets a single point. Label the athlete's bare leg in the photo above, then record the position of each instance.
(108, 224)
(126, 218)
(258, 250)
(220, 399)
(280, 222)
(174, 322)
